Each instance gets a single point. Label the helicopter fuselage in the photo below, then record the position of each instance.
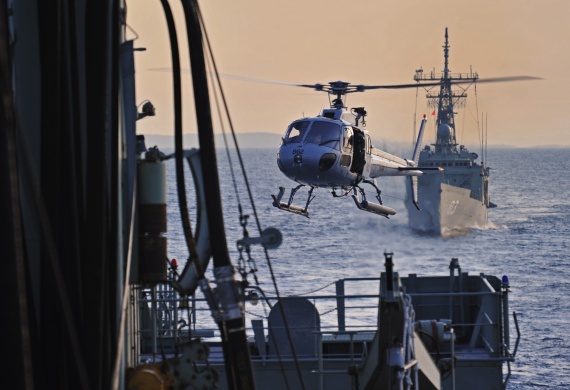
(329, 151)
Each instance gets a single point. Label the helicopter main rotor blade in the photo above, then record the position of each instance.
(505, 79)
(399, 86)
(246, 78)
(318, 87)
(455, 81)
(264, 81)
(344, 88)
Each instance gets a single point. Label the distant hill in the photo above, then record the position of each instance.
(257, 141)
(272, 141)
(245, 140)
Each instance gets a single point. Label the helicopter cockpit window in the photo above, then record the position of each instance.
(324, 134)
(296, 132)
(347, 144)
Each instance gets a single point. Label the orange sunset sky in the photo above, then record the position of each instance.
(369, 42)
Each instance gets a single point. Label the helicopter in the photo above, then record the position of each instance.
(332, 151)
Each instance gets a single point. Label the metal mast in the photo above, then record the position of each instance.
(446, 99)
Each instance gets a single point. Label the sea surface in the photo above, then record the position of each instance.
(528, 240)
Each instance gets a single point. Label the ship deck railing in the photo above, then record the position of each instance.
(480, 318)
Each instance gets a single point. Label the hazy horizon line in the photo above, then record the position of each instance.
(399, 143)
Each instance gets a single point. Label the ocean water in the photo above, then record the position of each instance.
(529, 240)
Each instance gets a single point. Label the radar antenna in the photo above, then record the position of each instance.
(446, 99)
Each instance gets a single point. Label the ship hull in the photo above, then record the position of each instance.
(445, 209)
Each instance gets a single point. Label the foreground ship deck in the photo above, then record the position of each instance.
(439, 332)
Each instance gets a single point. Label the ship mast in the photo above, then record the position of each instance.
(446, 99)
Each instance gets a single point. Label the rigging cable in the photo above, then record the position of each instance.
(462, 136)
(19, 143)
(479, 130)
(272, 273)
(227, 301)
(486, 135)
(314, 291)
(415, 115)
(243, 218)
(181, 187)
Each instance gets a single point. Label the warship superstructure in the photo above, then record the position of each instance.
(456, 198)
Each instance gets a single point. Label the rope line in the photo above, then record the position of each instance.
(313, 291)
(273, 278)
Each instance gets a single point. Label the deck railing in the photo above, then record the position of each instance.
(167, 320)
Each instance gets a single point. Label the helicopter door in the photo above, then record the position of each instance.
(346, 156)
(359, 151)
(368, 153)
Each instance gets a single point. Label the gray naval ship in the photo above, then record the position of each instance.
(457, 198)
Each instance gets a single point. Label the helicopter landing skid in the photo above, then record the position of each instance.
(371, 207)
(288, 206)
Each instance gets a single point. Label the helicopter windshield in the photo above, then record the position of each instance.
(296, 132)
(324, 133)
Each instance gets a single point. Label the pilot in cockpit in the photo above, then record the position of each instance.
(296, 132)
(314, 137)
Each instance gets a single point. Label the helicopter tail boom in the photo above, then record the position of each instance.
(420, 169)
(416, 155)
